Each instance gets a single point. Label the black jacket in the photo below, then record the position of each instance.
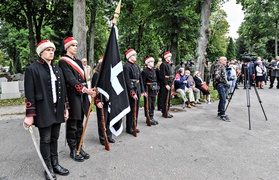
(132, 72)
(78, 101)
(39, 97)
(149, 80)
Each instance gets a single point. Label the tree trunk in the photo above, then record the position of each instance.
(204, 32)
(80, 28)
(276, 38)
(92, 37)
(174, 49)
(31, 36)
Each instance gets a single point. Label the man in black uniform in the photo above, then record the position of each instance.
(166, 82)
(134, 87)
(78, 96)
(46, 104)
(149, 80)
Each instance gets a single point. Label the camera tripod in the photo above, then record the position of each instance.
(247, 85)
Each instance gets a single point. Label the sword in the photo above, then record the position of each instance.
(65, 133)
(37, 149)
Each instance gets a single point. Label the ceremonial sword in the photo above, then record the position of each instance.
(37, 149)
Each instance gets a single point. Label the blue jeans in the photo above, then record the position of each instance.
(221, 88)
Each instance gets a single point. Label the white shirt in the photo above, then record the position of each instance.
(53, 82)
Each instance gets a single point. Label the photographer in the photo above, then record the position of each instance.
(221, 84)
(190, 66)
(248, 72)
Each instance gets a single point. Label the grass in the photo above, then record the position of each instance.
(12, 102)
(174, 101)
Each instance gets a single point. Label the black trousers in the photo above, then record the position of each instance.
(100, 126)
(130, 115)
(74, 132)
(48, 141)
(272, 78)
(151, 106)
(163, 102)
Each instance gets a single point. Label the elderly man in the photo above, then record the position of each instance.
(87, 72)
(221, 84)
(274, 72)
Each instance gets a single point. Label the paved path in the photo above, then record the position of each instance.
(192, 145)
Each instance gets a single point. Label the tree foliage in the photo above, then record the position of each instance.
(148, 26)
(231, 49)
(260, 25)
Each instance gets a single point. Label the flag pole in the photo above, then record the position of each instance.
(116, 14)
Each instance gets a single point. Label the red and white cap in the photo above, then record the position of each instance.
(43, 45)
(167, 54)
(149, 59)
(101, 59)
(68, 42)
(129, 53)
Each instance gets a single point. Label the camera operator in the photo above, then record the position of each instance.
(221, 84)
(248, 72)
(190, 66)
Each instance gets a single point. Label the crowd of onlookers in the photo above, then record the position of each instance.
(249, 72)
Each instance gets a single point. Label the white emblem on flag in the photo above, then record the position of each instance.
(113, 78)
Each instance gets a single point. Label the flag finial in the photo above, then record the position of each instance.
(117, 12)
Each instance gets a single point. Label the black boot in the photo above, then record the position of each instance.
(84, 154)
(57, 168)
(49, 166)
(74, 156)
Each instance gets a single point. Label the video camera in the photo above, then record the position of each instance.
(248, 57)
(190, 63)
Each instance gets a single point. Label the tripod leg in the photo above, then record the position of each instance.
(260, 101)
(229, 100)
(248, 105)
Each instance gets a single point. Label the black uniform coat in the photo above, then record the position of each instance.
(149, 76)
(132, 71)
(165, 76)
(78, 101)
(39, 97)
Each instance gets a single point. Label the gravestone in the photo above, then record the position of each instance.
(18, 77)
(10, 90)
(3, 79)
(21, 86)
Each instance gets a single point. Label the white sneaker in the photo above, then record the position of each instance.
(208, 102)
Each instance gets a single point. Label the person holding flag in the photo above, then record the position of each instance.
(135, 88)
(149, 80)
(102, 104)
(78, 96)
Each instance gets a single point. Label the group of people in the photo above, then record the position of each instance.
(62, 93)
(55, 94)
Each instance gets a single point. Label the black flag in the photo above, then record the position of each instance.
(112, 85)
